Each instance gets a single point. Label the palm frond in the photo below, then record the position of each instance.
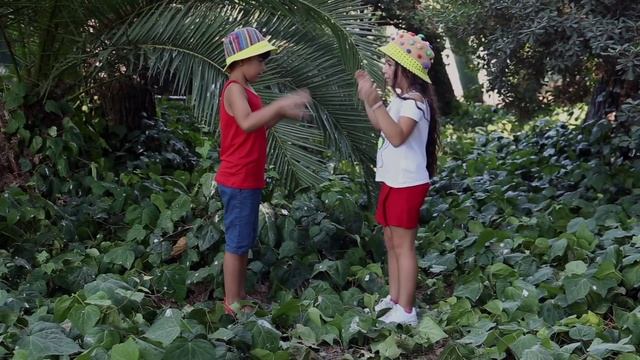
(296, 153)
(321, 44)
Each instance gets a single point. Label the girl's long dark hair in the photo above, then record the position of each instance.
(426, 90)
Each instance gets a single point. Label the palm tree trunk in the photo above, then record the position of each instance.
(438, 72)
(9, 170)
(609, 94)
(127, 100)
(401, 14)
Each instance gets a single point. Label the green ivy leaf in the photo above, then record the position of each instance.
(84, 318)
(197, 349)
(575, 268)
(125, 351)
(108, 284)
(150, 215)
(502, 271)
(62, 306)
(524, 343)
(16, 122)
(429, 331)
(52, 106)
(205, 273)
(607, 270)
(329, 305)
(223, 334)
(122, 255)
(455, 351)
(21, 355)
(306, 334)
(137, 232)
(100, 298)
(165, 223)
(602, 349)
(148, 351)
(285, 313)
(288, 249)
(631, 276)
(387, 348)
(49, 341)
(208, 235)
(494, 306)
(582, 332)
(36, 143)
(537, 353)
(576, 288)
(135, 296)
(558, 248)
(264, 335)
(158, 201)
(207, 184)
(166, 328)
(262, 354)
(172, 280)
(471, 290)
(101, 336)
(15, 96)
(628, 357)
(579, 223)
(180, 207)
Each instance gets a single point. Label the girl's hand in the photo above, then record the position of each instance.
(367, 89)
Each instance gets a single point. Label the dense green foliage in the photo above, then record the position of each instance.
(530, 248)
(538, 53)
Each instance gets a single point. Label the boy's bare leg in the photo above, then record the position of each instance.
(243, 274)
(235, 273)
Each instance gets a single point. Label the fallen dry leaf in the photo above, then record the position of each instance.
(179, 247)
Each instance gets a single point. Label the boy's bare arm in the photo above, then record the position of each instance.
(291, 106)
(246, 119)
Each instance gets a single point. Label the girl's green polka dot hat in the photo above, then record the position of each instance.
(411, 51)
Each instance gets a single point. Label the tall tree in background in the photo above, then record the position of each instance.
(408, 15)
(555, 52)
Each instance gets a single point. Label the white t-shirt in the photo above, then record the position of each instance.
(405, 165)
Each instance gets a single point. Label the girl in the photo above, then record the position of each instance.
(405, 161)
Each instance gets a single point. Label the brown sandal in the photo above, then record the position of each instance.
(245, 308)
(227, 308)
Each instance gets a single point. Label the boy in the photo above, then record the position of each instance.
(243, 150)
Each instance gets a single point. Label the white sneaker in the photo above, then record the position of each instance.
(385, 303)
(398, 315)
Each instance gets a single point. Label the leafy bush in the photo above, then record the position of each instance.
(530, 249)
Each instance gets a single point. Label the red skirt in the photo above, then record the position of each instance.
(400, 207)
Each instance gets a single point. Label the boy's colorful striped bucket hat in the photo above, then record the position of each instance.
(411, 51)
(243, 44)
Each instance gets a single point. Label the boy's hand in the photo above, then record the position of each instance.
(294, 105)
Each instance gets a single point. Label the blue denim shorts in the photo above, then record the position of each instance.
(241, 209)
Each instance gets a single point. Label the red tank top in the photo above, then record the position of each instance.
(243, 155)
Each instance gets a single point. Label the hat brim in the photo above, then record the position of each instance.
(253, 50)
(396, 53)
